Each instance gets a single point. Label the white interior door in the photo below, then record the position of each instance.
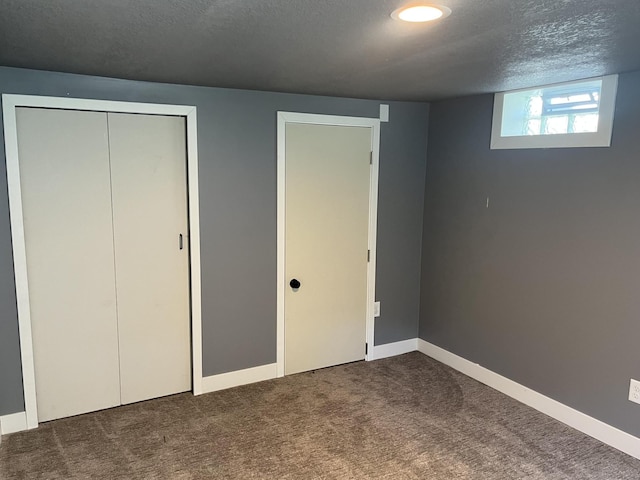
(327, 178)
(66, 197)
(148, 171)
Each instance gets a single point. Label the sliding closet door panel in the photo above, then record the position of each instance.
(148, 170)
(65, 181)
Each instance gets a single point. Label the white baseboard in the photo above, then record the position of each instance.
(239, 377)
(393, 349)
(16, 422)
(594, 428)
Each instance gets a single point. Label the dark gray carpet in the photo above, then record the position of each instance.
(407, 417)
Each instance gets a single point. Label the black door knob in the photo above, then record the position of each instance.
(295, 284)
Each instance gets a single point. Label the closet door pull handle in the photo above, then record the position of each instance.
(181, 242)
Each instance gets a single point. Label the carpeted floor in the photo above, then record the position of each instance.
(407, 417)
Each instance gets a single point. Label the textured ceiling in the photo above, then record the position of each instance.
(333, 47)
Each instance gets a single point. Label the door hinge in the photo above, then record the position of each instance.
(368, 256)
(370, 158)
(366, 349)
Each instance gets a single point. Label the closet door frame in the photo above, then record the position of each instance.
(9, 105)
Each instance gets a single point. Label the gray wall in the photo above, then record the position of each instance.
(542, 286)
(403, 151)
(237, 154)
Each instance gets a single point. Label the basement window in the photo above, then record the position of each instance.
(574, 114)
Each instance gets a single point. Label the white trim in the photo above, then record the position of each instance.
(16, 422)
(374, 124)
(601, 138)
(393, 349)
(66, 103)
(194, 250)
(9, 105)
(239, 377)
(584, 423)
(384, 112)
(280, 254)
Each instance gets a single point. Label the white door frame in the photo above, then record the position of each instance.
(9, 105)
(374, 124)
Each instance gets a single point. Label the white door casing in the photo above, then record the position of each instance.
(10, 104)
(363, 293)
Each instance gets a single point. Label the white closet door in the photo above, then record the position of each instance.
(66, 197)
(327, 228)
(148, 171)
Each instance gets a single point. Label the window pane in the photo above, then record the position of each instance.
(535, 106)
(585, 123)
(561, 109)
(533, 127)
(556, 125)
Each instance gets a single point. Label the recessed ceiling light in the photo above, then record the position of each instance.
(421, 13)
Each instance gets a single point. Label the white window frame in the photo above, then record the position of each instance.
(601, 138)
